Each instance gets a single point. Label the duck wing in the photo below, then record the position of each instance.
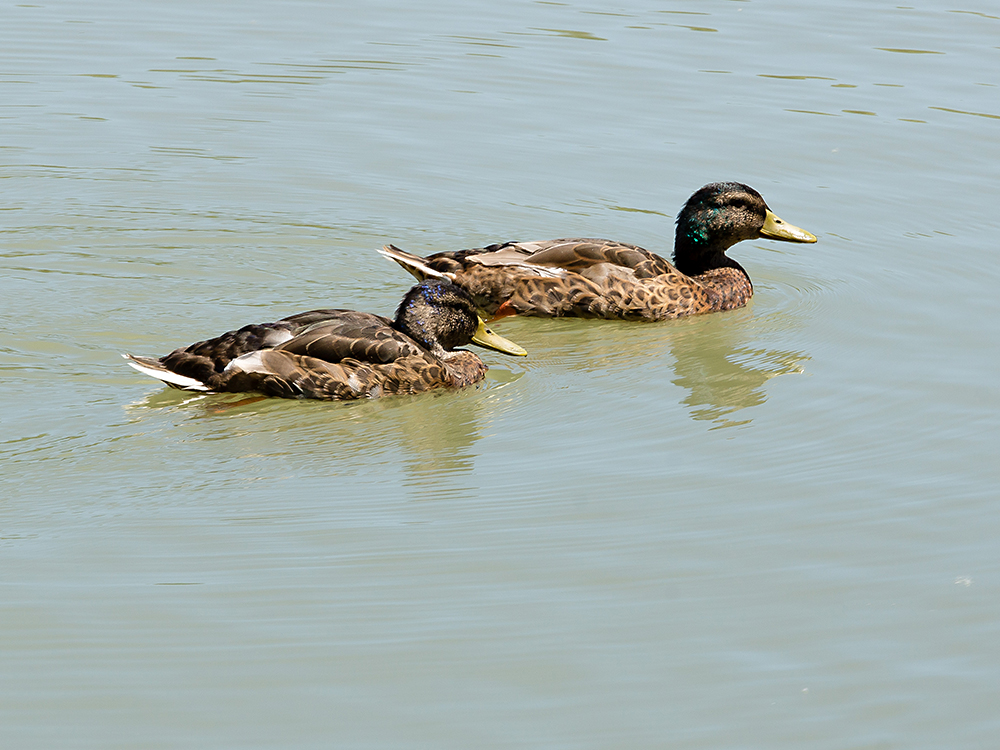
(576, 255)
(352, 335)
(204, 359)
(352, 355)
(579, 277)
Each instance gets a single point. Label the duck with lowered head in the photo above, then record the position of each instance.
(342, 354)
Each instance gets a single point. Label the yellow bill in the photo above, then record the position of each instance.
(776, 229)
(485, 337)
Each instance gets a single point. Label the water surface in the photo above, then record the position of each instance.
(773, 527)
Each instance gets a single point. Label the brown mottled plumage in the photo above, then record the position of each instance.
(592, 278)
(341, 354)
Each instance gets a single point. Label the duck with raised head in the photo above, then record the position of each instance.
(593, 278)
(342, 354)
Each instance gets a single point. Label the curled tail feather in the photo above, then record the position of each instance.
(414, 264)
(153, 368)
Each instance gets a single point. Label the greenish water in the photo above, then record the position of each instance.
(774, 527)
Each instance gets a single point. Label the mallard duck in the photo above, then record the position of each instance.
(341, 354)
(592, 278)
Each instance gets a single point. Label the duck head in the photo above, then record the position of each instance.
(441, 316)
(718, 216)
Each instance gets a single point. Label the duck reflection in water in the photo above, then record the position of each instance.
(723, 377)
(430, 438)
(722, 362)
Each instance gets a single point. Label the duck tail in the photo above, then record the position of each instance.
(416, 265)
(155, 369)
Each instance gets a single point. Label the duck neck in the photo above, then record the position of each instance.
(696, 252)
(418, 330)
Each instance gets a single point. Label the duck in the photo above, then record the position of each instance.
(335, 354)
(597, 278)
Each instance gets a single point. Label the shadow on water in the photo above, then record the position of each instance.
(722, 361)
(425, 443)
(723, 374)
